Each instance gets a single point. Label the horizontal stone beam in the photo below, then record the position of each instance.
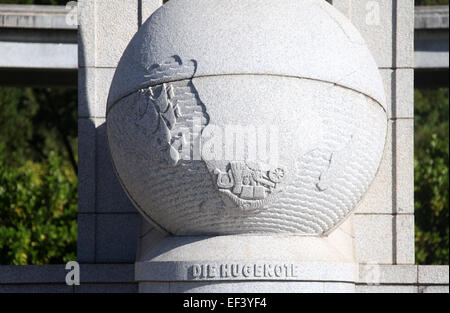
(39, 37)
(34, 16)
(38, 55)
(431, 49)
(107, 278)
(38, 45)
(94, 278)
(431, 17)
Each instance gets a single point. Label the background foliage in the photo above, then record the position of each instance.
(431, 2)
(431, 171)
(38, 213)
(38, 182)
(431, 176)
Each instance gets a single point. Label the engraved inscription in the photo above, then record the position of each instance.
(243, 271)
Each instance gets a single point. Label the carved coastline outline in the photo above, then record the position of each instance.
(166, 113)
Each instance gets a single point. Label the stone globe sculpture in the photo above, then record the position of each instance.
(256, 116)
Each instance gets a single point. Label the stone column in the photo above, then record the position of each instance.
(187, 85)
(378, 232)
(384, 220)
(105, 28)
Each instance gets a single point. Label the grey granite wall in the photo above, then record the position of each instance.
(110, 230)
(384, 220)
(120, 278)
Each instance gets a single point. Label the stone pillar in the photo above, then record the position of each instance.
(105, 28)
(377, 233)
(188, 86)
(384, 220)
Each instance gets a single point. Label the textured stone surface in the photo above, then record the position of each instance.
(86, 239)
(108, 30)
(148, 7)
(145, 227)
(374, 19)
(387, 27)
(404, 239)
(434, 289)
(256, 258)
(110, 197)
(106, 273)
(102, 22)
(265, 29)
(246, 287)
(372, 231)
(381, 197)
(378, 198)
(154, 287)
(41, 288)
(387, 274)
(404, 107)
(13, 274)
(404, 165)
(335, 248)
(103, 78)
(86, 33)
(398, 274)
(105, 278)
(86, 92)
(399, 83)
(386, 289)
(149, 240)
(106, 288)
(258, 263)
(374, 238)
(311, 183)
(99, 26)
(120, 278)
(86, 165)
(116, 237)
(339, 288)
(404, 49)
(388, 81)
(433, 274)
(245, 271)
(123, 129)
(321, 167)
(93, 91)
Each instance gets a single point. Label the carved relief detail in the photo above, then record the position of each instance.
(165, 114)
(248, 186)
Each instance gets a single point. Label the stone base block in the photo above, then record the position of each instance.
(247, 263)
(246, 287)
